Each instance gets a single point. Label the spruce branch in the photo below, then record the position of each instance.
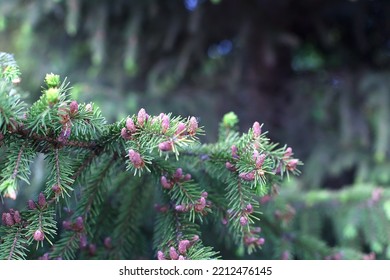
(43, 139)
(97, 162)
(20, 154)
(41, 223)
(92, 194)
(16, 169)
(81, 224)
(9, 69)
(61, 169)
(66, 248)
(13, 244)
(126, 234)
(84, 165)
(175, 235)
(11, 107)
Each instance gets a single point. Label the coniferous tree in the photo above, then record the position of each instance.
(110, 187)
(259, 58)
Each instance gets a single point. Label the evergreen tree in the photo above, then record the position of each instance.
(109, 187)
(320, 81)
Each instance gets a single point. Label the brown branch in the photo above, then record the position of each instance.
(17, 163)
(28, 134)
(14, 244)
(58, 172)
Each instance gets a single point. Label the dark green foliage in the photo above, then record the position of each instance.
(13, 243)
(356, 217)
(109, 185)
(9, 69)
(128, 241)
(318, 82)
(20, 154)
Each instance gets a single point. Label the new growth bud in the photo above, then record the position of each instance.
(247, 176)
(83, 241)
(142, 117)
(73, 107)
(180, 130)
(165, 146)
(243, 221)
(187, 177)
(230, 120)
(39, 235)
(165, 183)
(64, 134)
(66, 225)
(192, 126)
(249, 208)
(52, 95)
(130, 125)
(259, 159)
(256, 129)
(173, 254)
(183, 246)
(234, 151)
(180, 208)
(56, 189)
(292, 164)
(108, 242)
(41, 200)
(11, 193)
(260, 241)
(17, 217)
(288, 153)
(164, 123)
(135, 159)
(229, 166)
(52, 80)
(8, 220)
(78, 224)
(252, 240)
(178, 174)
(31, 205)
(88, 107)
(201, 204)
(125, 134)
(160, 255)
(224, 221)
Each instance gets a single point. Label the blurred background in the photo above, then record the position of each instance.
(315, 72)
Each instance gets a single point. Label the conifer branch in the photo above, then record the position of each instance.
(58, 170)
(16, 169)
(224, 182)
(14, 244)
(126, 232)
(94, 192)
(84, 218)
(26, 133)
